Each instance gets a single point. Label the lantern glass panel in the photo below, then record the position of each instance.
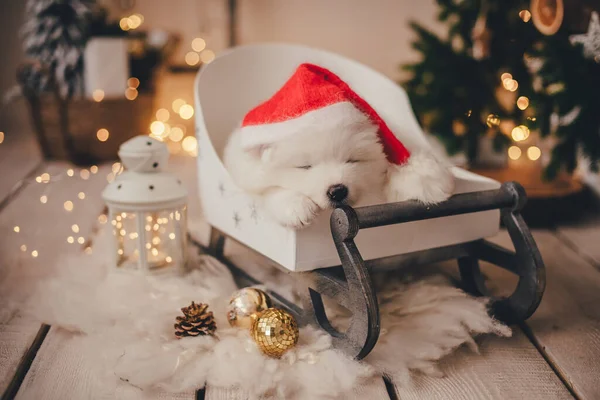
(151, 241)
(164, 237)
(125, 232)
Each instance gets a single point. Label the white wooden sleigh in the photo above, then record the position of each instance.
(362, 239)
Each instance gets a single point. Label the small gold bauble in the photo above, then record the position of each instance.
(275, 332)
(245, 306)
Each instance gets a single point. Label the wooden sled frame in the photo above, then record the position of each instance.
(350, 284)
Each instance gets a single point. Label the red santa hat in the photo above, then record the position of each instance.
(315, 96)
(305, 99)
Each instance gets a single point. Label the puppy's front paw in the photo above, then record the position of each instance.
(292, 210)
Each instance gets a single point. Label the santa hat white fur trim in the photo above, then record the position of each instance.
(423, 177)
(330, 118)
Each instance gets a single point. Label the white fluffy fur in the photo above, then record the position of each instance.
(423, 178)
(341, 146)
(126, 326)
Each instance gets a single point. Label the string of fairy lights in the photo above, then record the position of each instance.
(168, 126)
(520, 134)
(75, 234)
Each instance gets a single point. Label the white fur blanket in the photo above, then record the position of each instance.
(127, 322)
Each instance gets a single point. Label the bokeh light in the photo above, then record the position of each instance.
(207, 56)
(131, 93)
(157, 128)
(522, 102)
(162, 114)
(176, 134)
(533, 153)
(186, 111)
(189, 144)
(520, 133)
(510, 85)
(133, 82)
(514, 152)
(102, 134)
(198, 44)
(68, 205)
(525, 15)
(98, 95)
(124, 23)
(134, 21)
(177, 104)
(192, 58)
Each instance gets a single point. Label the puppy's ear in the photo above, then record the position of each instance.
(423, 177)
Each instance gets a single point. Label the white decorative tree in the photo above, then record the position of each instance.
(55, 33)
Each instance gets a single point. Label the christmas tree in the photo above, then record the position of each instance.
(55, 33)
(567, 80)
(495, 74)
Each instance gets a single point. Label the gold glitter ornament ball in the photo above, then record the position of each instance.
(275, 332)
(245, 306)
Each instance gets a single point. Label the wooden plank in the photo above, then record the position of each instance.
(44, 228)
(19, 155)
(566, 326)
(505, 369)
(61, 371)
(17, 335)
(583, 237)
(373, 390)
(231, 393)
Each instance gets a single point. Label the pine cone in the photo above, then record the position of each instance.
(196, 321)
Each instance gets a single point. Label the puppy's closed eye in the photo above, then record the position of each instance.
(304, 167)
(352, 161)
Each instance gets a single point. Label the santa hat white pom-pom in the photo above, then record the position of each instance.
(423, 177)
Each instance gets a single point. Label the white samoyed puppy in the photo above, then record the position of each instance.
(326, 160)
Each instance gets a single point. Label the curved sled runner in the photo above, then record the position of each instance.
(388, 236)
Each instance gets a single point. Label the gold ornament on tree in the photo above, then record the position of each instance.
(275, 332)
(572, 16)
(196, 321)
(246, 305)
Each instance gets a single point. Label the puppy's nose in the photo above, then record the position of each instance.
(337, 192)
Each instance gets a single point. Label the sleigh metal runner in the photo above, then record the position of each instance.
(362, 240)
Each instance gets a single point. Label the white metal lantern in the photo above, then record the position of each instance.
(147, 210)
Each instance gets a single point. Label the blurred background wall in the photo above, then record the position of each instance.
(11, 18)
(374, 32)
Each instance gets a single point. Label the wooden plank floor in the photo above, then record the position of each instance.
(43, 229)
(554, 355)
